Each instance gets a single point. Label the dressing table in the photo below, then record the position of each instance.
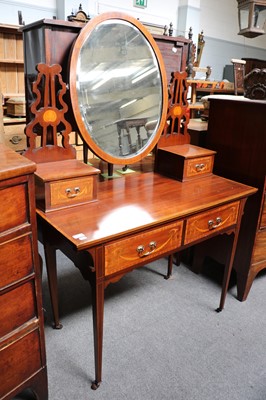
(116, 73)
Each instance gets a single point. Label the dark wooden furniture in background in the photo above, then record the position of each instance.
(239, 73)
(49, 41)
(12, 83)
(22, 347)
(252, 63)
(174, 50)
(240, 142)
(11, 61)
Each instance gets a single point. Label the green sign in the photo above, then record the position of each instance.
(140, 3)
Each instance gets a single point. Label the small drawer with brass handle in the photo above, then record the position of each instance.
(208, 222)
(65, 183)
(70, 191)
(198, 167)
(133, 250)
(185, 161)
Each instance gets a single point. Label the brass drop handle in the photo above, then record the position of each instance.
(72, 192)
(141, 248)
(15, 139)
(215, 224)
(200, 167)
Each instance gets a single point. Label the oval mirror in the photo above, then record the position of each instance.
(118, 88)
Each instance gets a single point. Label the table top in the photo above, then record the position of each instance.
(137, 202)
(13, 164)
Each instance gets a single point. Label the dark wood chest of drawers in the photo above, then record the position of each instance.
(237, 132)
(22, 347)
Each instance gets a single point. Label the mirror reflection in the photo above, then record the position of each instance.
(119, 89)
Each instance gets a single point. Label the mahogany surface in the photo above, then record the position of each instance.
(22, 347)
(240, 142)
(104, 239)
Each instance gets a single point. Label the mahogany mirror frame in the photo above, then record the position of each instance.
(73, 65)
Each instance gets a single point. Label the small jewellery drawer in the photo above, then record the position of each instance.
(65, 183)
(15, 260)
(198, 167)
(204, 224)
(15, 210)
(185, 161)
(135, 249)
(77, 190)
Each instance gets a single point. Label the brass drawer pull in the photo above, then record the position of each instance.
(15, 139)
(215, 224)
(200, 167)
(141, 248)
(72, 192)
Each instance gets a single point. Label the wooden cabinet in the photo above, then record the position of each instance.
(48, 41)
(14, 135)
(236, 131)
(174, 51)
(252, 63)
(22, 347)
(12, 83)
(11, 61)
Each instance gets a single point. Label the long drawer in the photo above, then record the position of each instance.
(16, 260)
(19, 361)
(14, 209)
(17, 307)
(133, 250)
(204, 224)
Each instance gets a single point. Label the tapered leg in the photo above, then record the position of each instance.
(231, 257)
(50, 258)
(169, 267)
(98, 312)
(227, 273)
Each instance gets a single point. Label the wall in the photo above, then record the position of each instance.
(222, 42)
(217, 18)
(154, 13)
(32, 10)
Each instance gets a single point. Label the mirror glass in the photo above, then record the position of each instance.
(116, 89)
